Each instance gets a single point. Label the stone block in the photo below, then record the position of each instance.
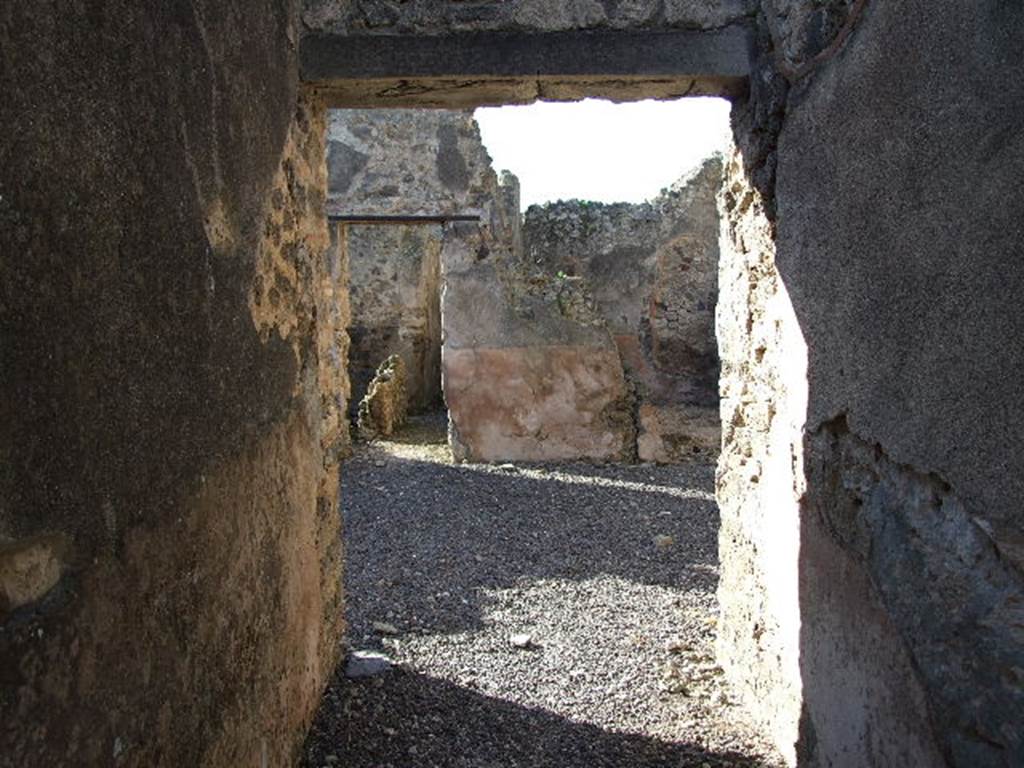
(538, 404)
(29, 569)
(672, 433)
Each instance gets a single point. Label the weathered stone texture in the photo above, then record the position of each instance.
(652, 269)
(403, 163)
(760, 479)
(552, 403)
(671, 433)
(529, 370)
(407, 162)
(172, 360)
(386, 404)
(429, 17)
(895, 517)
(902, 254)
(396, 307)
(457, 55)
(334, 347)
(162, 408)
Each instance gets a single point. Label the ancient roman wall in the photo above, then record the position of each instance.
(528, 371)
(457, 55)
(407, 162)
(386, 162)
(531, 371)
(429, 17)
(169, 543)
(173, 388)
(396, 307)
(653, 271)
(873, 462)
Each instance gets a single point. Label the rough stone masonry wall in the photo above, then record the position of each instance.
(408, 162)
(652, 269)
(396, 307)
(452, 54)
(526, 376)
(872, 535)
(169, 401)
(159, 431)
(530, 369)
(433, 17)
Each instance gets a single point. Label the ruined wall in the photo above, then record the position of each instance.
(407, 162)
(386, 404)
(169, 400)
(652, 269)
(396, 307)
(167, 494)
(760, 479)
(457, 55)
(526, 376)
(531, 371)
(882, 556)
(431, 17)
(387, 162)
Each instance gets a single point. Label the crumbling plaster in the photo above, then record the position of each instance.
(652, 269)
(168, 404)
(875, 165)
(179, 447)
(528, 370)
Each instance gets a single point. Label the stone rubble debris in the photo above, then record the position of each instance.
(362, 664)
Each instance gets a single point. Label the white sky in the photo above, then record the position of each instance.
(597, 150)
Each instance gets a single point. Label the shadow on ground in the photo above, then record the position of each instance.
(426, 542)
(609, 573)
(405, 719)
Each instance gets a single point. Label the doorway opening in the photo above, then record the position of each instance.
(531, 563)
(583, 329)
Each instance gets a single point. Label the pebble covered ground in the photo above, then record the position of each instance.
(559, 615)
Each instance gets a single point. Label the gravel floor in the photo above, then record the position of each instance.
(554, 616)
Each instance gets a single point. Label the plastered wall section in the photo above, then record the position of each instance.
(528, 372)
(653, 270)
(889, 472)
(169, 543)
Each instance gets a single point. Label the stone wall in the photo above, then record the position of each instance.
(430, 17)
(526, 376)
(760, 477)
(408, 162)
(402, 163)
(386, 404)
(172, 385)
(452, 54)
(169, 544)
(871, 539)
(652, 269)
(531, 371)
(396, 307)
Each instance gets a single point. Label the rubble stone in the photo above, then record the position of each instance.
(386, 402)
